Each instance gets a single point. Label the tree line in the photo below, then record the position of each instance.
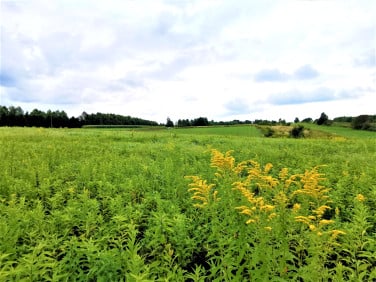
(16, 116)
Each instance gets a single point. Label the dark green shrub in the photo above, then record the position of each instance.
(297, 131)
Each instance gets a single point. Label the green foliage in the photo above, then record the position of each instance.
(297, 131)
(323, 119)
(113, 205)
(169, 123)
(268, 131)
(364, 122)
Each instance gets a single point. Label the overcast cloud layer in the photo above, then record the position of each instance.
(223, 60)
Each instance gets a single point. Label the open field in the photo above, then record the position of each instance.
(117, 205)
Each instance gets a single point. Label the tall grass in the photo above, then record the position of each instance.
(115, 205)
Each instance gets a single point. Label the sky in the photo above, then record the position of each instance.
(184, 59)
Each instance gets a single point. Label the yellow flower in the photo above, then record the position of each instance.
(268, 228)
(325, 222)
(312, 227)
(321, 210)
(302, 219)
(360, 198)
(268, 167)
(223, 162)
(272, 215)
(281, 198)
(337, 211)
(311, 185)
(202, 191)
(283, 173)
(296, 207)
(267, 208)
(249, 221)
(335, 233)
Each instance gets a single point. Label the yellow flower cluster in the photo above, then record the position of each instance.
(202, 191)
(258, 206)
(360, 198)
(319, 200)
(222, 162)
(258, 178)
(311, 185)
(266, 195)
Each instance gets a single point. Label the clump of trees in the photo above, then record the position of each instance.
(112, 119)
(201, 121)
(364, 122)
(271, 122)
(15, 116)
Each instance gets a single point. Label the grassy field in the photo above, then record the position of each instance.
(172, 205)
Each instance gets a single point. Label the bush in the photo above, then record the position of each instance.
(297, 131)
(361, 122)
(269, 132)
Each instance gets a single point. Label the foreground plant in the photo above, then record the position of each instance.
(289, 215)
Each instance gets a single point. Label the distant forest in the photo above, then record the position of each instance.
(16, 116)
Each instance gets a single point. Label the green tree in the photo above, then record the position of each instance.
(361, 122)
(169, 123)
(307, 120)
(323, 119)
(201, 121)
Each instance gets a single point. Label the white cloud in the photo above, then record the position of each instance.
(183, 59)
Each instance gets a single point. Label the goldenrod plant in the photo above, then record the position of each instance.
(278, 207)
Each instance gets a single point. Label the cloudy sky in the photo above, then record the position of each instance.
(181, 59)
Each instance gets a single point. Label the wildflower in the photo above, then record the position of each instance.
(283, 173)
(215, 196)
(281, 198)
(325, 222)
(202, 191)
(249, 221)
(268, 167)
(335, 233)
(245, 210)
(243, 189)
(223, 162)
(267, 208)
(302, 219)
(360, 198)
(296, 207)
(268, 228)
(272, 215)
(311, 186)
(337, 211)
(321, 210)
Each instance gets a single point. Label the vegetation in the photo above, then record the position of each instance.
(364, 122)
(190, 204)
(15, 116)
(297, 131)
(323, 119)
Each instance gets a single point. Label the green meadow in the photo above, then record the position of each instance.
(187, 204)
